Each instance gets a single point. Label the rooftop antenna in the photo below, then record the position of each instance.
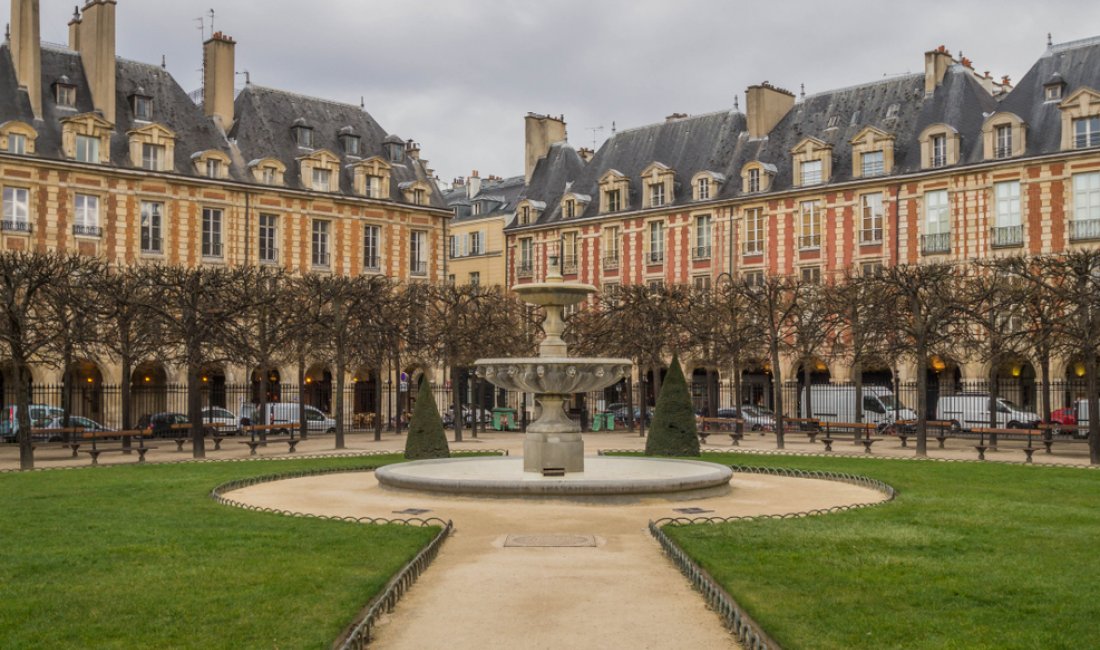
(362, 102)
(803, 91)
(736, 108)
(163, 62)
(247, 77)
(202, 27)
(211, 22)
(594, 130)
(1050, 41)
(612, 127)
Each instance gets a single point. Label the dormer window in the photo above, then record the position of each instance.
(17, 137)
(614, 189)
(395, 148)
(939, 146)
(416, 192)
(267, 171)
(812, 159)
(703, 189)
(754, 180)
(872, 164)
(65, 93)
(614, 201)
(1052, 92)
(524, 215)
(705, 185)
(757, 176)
(939, 150)
(1003, 142)
(573, 204)
(87, 138)
(656, 195)
(872, 153)
(303, 134)
(211, 163)
(213, 168)
(349, 142)
(1081, 119)
(658, 180)
(267, 175)
(1054, 87)
(570, 209)
(322, 178)
(142, 106)
(892, 111)
(811, 173)
(152, 157)
(475, 209)
(371, 178)
(1003, 136)
(1086, 132)
(17, 143)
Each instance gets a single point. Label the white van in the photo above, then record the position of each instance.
(970, 410)
(837, 403)
(287, 413)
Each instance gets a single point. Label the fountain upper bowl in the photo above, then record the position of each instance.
(553, 293)
(553, 375)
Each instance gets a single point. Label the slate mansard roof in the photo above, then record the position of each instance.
(264, 118)
(497, 197)
(719, 142)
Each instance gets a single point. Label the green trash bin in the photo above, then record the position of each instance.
(604, 420)
(504, 419)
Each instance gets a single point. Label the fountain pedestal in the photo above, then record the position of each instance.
(553, 441)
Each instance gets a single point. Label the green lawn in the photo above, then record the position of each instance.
(968, 556)
(140, 556)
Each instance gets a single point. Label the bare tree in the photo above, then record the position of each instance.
(774, 304)
(924, 300)
(26, 328)
(861, 325)
(737, 334)
(813, 325)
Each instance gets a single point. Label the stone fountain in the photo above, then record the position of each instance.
(553, 444)
(553, 463)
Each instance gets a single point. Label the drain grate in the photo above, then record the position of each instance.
(411, 511)
(691, 511)
(550, 541)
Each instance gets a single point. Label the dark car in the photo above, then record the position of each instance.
(622, 413)
(159, 425)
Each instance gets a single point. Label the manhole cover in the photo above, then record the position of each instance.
(550, 541)
(411, 511)
(691, 511)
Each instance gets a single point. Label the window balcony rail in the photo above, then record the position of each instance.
(874, 169)
(939, 161)
(870, 236)
(15, 225)
(701, 252)
(655, 257)
(1002, 152)
(752, 247)
(611, 261)
(939, 242)
(809, 241)
(1086, 140)
(87, 231)
(269, 255)
(525, 270)
(372, 264)
(321, 260)
(419, 268)
(1007, 236)
(1084, 229)
(569, 266)
(152, 248)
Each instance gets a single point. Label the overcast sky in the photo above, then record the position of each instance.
(459, 75)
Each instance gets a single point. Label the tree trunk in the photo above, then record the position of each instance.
(712, 393)
(339, 402)
(777, 396)
(456, 399)
(630, 403)
(809, 410)
(262, 401)
(378, 404)
(737, 397)
(922, 402)
(857, 380)
(23, 415)
(991, 377)
(1094, 406)
(303, 427)
(194, 407)
(124, 394)
(1044, 373)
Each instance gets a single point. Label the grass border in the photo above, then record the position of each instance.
(747, 631)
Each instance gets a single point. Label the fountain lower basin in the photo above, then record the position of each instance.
(603, 476)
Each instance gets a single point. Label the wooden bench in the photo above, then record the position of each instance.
(123, 445)
(731, 426)
(263, 429)
(809, 426)
(1007, 434)
(66, 432)
(252, 444)
(211, 431)
(861, 433)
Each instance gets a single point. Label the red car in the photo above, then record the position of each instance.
(1064, 417)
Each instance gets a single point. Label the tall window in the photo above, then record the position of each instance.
(701, 282)
(526, 256)
(656, 195)
(614, 201)
(703, 233)
(1002, 144)
(86, 220)
(269, 233)
(152, 227)
(319, 245)
(754, 231)
(374, 187)
(873, 163)
(753, 278)
(754, 180)
(704, 188)
(143, 108)
(569, 252)
(87, 149)
(475, 243)
(475, 209)
(870, 231)
(304, 136)
(16, 209)
(321, 178)
(611, 247)
(152, 157)
(372, 245)
(656, 242)
(810, 274)
(937, 223)
(475, 278)
(570, 209)
(17, 143)
(213, 168)
(268, 175)
(418, 252)
(811, 172)
(1086, 132)
(66, 95)
(810, 225)
(420, 197)
(939, 150)
(1007, 229)
(351, 145)
(1086, 206)
(211, 232)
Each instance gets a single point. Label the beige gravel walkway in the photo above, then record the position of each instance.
(622, 593)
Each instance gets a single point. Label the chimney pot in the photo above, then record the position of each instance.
(219, 73)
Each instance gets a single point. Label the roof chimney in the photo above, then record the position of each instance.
(765, 105)
(26, 51)
(936, 63)
(585, 154)
(541, 131)
(473, 185)
(218, 75)
(97, 52)
(412, 149)
(74, 30)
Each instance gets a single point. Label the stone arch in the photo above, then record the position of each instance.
(274, 384)
(317, 391)
(85, 379)
(213, 385)
(148, 390)
(944, 377)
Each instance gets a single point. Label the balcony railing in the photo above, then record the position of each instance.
(809, 241)
(321, 260)
(936, 243)
(372, 264)
(611, 261)
(569, 266)
(655, 257)
(1084, 229)
(1002, 151)
(752, 247)
(87, 231)
(269, 255)
(870, 236)
(419, 268)
(525, 269)
(701, 252)
(15, 225)
(1006, 236)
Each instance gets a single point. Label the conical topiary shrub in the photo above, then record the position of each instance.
(426, 437)
(672, 431)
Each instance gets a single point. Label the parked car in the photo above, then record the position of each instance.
(1076, 416)
(222, 418)
(622, 413)
(40, 415)
(74, 421)
(287, 413)
(837, 403)
(968, 410)
(757, 418)
(159, 425)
